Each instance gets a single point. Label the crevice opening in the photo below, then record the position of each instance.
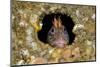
(47, 24)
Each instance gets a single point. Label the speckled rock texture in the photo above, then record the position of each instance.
(26, 48)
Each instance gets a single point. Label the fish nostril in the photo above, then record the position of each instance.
(52, 30)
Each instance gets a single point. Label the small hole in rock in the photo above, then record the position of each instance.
(67, 22)
(73, 56)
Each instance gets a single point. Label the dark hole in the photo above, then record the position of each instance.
(52, 30)
(72, 55)
(47, 24)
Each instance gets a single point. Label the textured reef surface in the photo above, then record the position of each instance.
(26, 48)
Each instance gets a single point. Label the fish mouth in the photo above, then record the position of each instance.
(60, 43)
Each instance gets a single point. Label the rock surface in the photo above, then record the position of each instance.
(26, 22)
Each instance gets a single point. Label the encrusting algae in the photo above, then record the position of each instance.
(27, 22)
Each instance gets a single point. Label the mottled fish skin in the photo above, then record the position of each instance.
(58, 36)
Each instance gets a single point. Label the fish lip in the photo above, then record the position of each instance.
(61, 45)
(60, 42)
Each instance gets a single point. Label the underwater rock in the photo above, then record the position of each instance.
(24, 52)
(56, 54)
(85, 19)
(89, 42)
(23, 23)
(53, 8)
(93, 17)
(34, 45)
(27, 22)
(76, 52)
(21, 62)
(78, 13)
(38, 60)
(29, 30)
(34, 21)
(89, 50)
(67, 53)
(78, 26)
(33, 18)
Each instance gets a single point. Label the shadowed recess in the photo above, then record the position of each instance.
(47, 24)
